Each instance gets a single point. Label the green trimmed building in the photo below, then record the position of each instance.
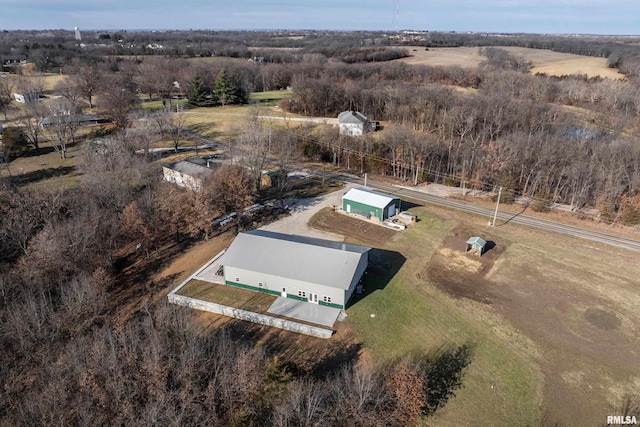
(370, 204)
(303, 268)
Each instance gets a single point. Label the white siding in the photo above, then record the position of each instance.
(276, 283)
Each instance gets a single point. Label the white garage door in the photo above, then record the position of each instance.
(392, 211)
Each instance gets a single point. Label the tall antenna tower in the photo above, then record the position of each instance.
(396, 12)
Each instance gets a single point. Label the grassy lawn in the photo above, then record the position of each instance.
(270, 98)
(411, 315)
(156, 104)
(47, 168)
(228, 295)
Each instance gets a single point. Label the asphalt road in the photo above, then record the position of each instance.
(503, 218)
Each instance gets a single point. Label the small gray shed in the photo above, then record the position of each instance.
(476, 245)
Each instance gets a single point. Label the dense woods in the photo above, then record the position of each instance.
(69, 352)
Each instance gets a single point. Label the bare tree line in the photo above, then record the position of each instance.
(513, 131)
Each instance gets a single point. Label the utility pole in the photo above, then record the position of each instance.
(365, 180)
(495, 214)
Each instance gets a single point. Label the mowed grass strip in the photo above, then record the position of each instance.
(228, 295)
(412, 316)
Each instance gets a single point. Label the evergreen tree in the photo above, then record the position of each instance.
(14, 143)
(199, 95)
(225, 91)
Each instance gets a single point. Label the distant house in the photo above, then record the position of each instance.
(26, 97)
(355, 123)
(476, 245)
(81, 119)
(8, 60)
(370, 204)
(302, 268)
(187, 173)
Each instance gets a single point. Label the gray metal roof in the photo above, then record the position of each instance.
(191, 169)
(370, 198)
(352, 117)
(297, 257)
(476, 241)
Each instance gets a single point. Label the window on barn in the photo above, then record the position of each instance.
(302, 294)
(326, 299)
(237, 279)
(260, 284)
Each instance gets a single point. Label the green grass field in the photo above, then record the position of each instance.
(228, 295)
(412, 316)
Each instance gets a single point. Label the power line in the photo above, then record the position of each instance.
(430, 172)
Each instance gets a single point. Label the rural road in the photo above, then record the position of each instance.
(502, 218)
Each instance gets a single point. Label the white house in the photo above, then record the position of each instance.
(26, 97)
(303, 268)
(186, 174)
(354, 123)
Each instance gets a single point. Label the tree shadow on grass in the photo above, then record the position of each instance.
(42, 175)
(442, 370)
(383, 266)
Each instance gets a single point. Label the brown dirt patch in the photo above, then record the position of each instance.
(461, 274)
(353, 229)
(602, 319)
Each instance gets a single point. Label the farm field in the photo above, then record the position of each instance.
(543, 61)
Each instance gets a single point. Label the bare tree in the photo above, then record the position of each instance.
(6, 91)
(88, 80)
(117, 99)
(233, 188)
(171, 124)
(62, 125)
(31, 121)
(255, 144)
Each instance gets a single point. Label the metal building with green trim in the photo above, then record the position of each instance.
(370, 204)
(308, 269)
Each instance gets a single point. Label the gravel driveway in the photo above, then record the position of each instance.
(303, 210)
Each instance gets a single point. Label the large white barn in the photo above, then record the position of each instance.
(303, 268)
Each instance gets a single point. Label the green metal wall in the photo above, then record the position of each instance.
(367, 210)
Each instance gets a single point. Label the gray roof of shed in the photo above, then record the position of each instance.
(302, 258)
(476, 241)
(352, 117)
(370, 198)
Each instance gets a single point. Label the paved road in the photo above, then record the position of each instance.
(502, 218)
